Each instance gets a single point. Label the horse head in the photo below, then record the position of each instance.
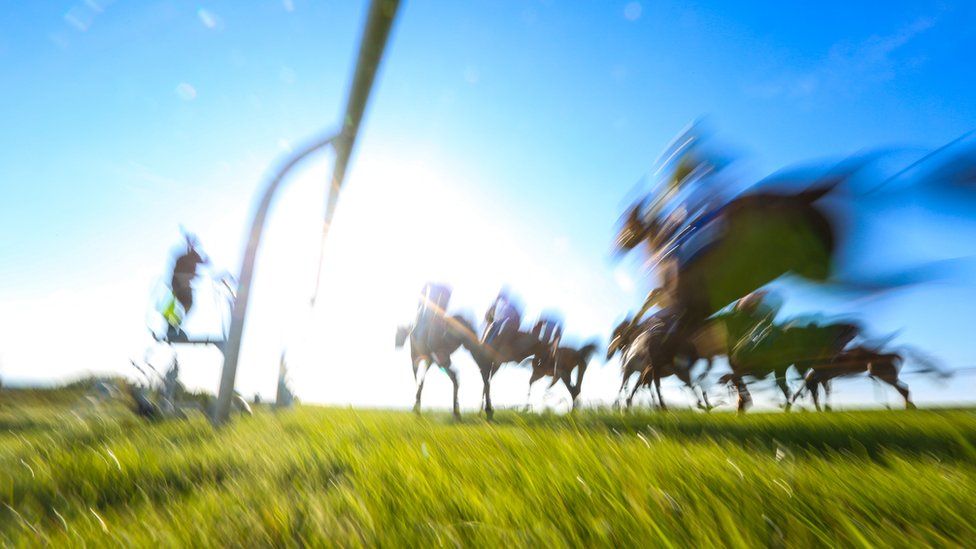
(634, 229)
(619, 339)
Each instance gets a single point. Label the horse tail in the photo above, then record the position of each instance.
(586, 351)
(927, 363)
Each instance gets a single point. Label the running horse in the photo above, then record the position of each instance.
(560, 366)
(878, 365)
(436, 348)
(516, 347)
(759, 351)
(729, 252)
(640, 347)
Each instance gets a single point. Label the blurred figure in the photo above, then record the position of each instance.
(431, 309)
(181, 284)
(761, 307)
(503, 319)
(549, 330)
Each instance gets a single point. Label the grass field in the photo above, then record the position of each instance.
(73, 474)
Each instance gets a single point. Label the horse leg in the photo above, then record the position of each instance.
(630, 399)
(826, 388)
(578, 386)
(708, 370)
(567, 379)
(451, 373)
(744, 398)
(489, 410)
(701, 388)
(781, 381)
(685, 377)
(657, 387)
(892, 379)
(623, 385)
(421, 373)
(814, 387)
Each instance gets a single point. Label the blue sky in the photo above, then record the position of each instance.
(500, 144)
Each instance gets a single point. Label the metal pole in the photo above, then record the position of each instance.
(232, 348)
(378, 24)
(380, 19)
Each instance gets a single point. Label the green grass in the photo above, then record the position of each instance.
(71, 476)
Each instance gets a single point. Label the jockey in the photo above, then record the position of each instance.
(503, 318)
(434, 299)
(549, 330)
(181, 283)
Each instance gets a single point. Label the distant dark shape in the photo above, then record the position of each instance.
(185, 272)
(143, 406)
(181, 285)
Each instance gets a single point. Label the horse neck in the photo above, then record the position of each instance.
(738, 324)
(525, 345)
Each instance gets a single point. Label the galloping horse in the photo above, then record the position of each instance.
(437, 348)
(561, 366)
(517, 348)
(775, 349)
(877, 365)
(642, 354)
(733, 251)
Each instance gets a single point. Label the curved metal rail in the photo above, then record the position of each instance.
(378, 24)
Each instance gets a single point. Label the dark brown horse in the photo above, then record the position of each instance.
(643, 354)
(880, 366)
(437, 348)
(560, 366)
(516, 348)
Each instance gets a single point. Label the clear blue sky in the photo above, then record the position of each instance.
(524, 125)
